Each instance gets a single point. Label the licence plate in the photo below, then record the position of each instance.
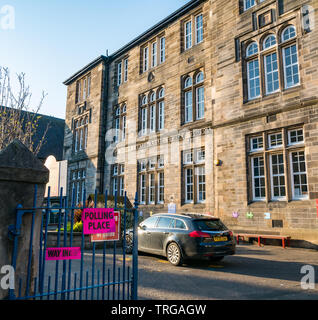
(216, 239)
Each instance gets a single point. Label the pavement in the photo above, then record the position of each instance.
(253, 273)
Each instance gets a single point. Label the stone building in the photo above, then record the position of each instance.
(213, 109)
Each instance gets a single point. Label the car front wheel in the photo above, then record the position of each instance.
(174, 255)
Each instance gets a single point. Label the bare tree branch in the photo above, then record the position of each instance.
(17, 121)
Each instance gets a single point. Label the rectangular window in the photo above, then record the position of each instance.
(299, 175)
(125, 70)
(188, 35)
(144, 121)
(188, 107)
(200, 156)
(152, 188)
(89, 80)
(275, 140)
(145, 59)
(188, 185)
(258, 178)
(84, 89)
(142, 189)
(161, 123)
(117, 121)
(161, 187)
(153, 118)
(200, 171)
(295, 136)
(253, 79)
(277, 176)
(200, 103)
(249, 4)
(123, 130)
(162, 49)
(188, 158)
(271, 73)
(199, 28)
(291, 69)
(119, 67)
(257, 143)
(121, 187)
(114, 186)
(154, 55)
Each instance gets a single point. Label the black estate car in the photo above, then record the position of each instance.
(183, 236)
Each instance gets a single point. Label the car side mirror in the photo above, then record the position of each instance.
(142, 227)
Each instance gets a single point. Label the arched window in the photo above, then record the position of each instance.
(124, 109)
(152, 97)
(251, 49)
(144, 100)
(199, 78)
(161, 93)
(117, 111)
(288, 33)
(188, 82)
(269, 41)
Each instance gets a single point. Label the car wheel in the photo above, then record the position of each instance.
(174, 254)
(129, 244)
(216, 258)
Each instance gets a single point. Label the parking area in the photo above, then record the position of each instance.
(268, 272)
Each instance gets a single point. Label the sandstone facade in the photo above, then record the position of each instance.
(221, 178)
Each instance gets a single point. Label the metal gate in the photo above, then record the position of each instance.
(104, 271)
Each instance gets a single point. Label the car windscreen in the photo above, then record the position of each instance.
(210, 225)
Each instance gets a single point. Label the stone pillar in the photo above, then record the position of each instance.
(20, 171)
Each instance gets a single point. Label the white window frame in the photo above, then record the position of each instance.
(161, 187)
(154, 54)
(252, 149)
(152, 111)
(259, 177)
(253, 79)
(251, 6)
(298, 142)
(199, 103)
(290, 66)
(152, 189)
(305, 197)
(186, 160)
(188, 35)
(266, 73)
(145, 59)
(142, 181)
(269, 140)
(126, 70)
(199, 29)
(188, 106)
(161, 111)
(272, 175)
(144, 121)
(119, 75)
(162, 49)
(188, 184)
(198, 175)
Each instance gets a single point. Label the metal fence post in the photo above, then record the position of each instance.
(135, 252)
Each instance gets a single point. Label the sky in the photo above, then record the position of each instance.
(50, 40)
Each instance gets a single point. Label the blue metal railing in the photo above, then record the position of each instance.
(51, 280)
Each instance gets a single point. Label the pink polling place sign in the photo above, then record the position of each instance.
(98, 220)
(69, 253)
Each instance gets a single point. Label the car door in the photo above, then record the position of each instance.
(160, 233)
(145, 230)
